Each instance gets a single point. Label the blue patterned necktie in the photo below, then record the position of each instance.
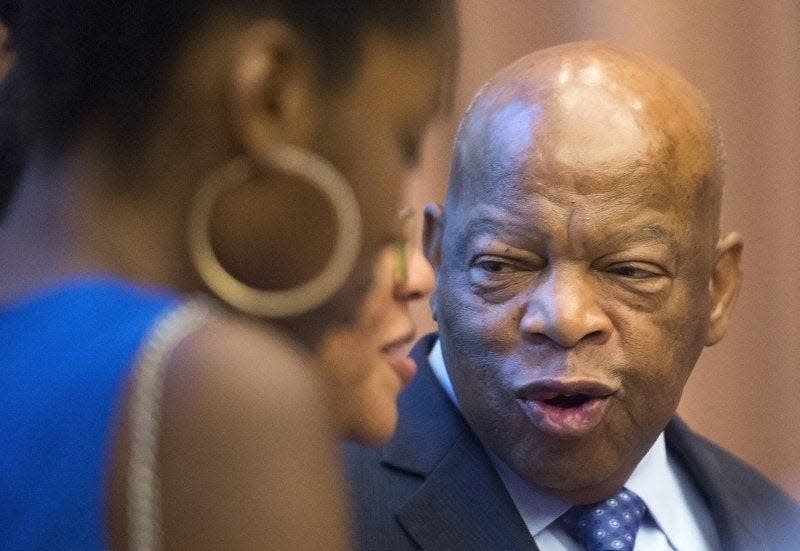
(610, 525)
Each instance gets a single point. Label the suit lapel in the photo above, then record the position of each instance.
(462, 503)
(727, 509)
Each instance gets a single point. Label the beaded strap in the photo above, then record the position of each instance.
(143, 491)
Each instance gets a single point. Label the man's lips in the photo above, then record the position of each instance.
(565, 408)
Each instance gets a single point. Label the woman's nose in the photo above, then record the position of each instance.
(419, 278)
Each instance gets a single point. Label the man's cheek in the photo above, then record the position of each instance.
(468, 310)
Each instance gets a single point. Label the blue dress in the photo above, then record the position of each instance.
(65, 354)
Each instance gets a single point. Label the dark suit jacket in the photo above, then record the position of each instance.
(433, 487)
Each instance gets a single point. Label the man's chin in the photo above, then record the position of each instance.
(576, 478)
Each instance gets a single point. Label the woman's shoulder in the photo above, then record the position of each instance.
(233, 357)
(244, 426)
(231, 372)
(241, 376)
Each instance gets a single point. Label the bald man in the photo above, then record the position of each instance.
(580, 273)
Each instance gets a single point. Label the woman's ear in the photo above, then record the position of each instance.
(272, 81)
(724, 285)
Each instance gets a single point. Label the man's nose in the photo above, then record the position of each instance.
(419, 278)
(564, 307)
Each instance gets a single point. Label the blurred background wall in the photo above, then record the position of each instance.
(745, 58)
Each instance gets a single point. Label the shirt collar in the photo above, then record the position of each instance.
(672, 502)
(436, 361)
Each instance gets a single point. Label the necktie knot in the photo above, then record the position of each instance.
(610, 525)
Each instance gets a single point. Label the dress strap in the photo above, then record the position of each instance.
(143, 488)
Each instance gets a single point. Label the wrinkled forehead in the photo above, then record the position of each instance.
(594, 122)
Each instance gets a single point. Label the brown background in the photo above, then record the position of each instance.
(745, 57)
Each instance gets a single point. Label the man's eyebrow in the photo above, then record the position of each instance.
(475, 227)
(653, 233)
(648, 234)
(482, 225)
(626, 235)
(494, 227)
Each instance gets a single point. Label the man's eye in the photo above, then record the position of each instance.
(633, 272)
(495, 266)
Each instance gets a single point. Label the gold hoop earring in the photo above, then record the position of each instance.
(296, 300)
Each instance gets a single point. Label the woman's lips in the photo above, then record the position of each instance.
(396, 353)
(565, 409)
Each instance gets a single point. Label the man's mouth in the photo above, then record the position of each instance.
(566, 409)
(565, 401)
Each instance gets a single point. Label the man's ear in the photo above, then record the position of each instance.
(432, 234)
(271, 88)
(724, 285)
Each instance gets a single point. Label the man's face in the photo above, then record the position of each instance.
(573, 294)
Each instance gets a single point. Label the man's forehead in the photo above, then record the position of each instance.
(577, 126)
(580, 116)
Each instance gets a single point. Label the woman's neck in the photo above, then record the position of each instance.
(71, 217)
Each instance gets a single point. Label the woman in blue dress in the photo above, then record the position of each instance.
(251, 151)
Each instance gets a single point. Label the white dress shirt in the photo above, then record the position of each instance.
(675, 510)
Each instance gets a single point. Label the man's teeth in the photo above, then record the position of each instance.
(566, 400)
